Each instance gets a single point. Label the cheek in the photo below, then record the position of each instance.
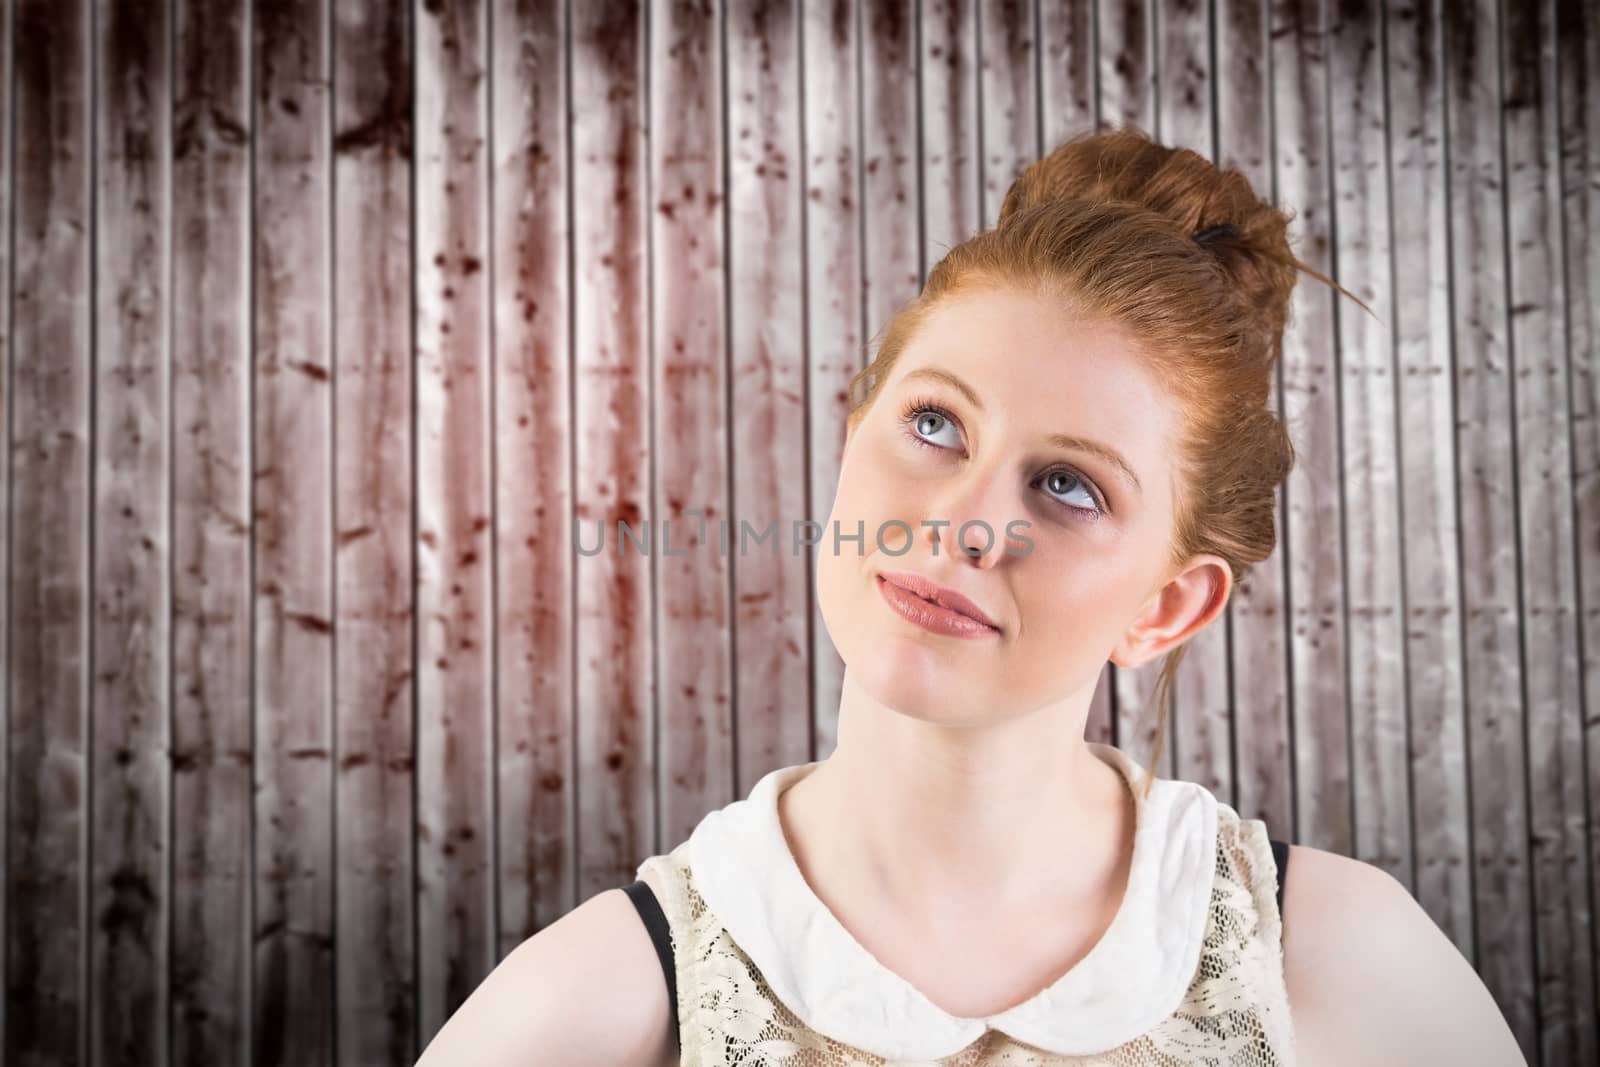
(866, 496)
(1074, 597)
(870, 490)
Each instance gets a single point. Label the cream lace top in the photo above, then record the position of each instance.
(1190, 970)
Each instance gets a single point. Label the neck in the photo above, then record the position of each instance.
(1002, 815)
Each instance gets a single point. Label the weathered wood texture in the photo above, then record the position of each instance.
(50, 510)
(326, 327)
(292, 593)
(534, 635)
(212, 751)
(374, 477)
(455, 594)
(1419, 311)
(129, 583)
(1497, 724)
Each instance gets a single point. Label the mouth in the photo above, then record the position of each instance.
(933, 607)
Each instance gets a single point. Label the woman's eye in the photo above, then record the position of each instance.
(1064, 482)
(928, 423)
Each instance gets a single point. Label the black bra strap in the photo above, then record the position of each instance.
(649, 909)
(1280, 856)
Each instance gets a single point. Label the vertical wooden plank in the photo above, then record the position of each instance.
(1200, 731)
(533, 490)
(374, 949)
(1562, 922)
(689, 360)
(947, 58)
(1067, 106)
(612, 463)
(891, 137)
(1067, 77)
(1314, 523)
(457, 943)
(212, 932)
(1420, 311)
(836, 287)
(1126, 72)
(1379, 768)
(1489, 565)
(1184, 102)
(291, 413)
(128, 694)
(7, 182)
(1126, 97)
(1578, 70)
(767, 378)
(891, 215)
(1008, 94)
(50, 515)
(1263, 772)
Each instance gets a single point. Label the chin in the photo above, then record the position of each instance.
(916, 678)
(920, 674)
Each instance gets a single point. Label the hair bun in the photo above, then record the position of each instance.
(1125, 166)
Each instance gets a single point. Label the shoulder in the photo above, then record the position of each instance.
(1358, 948)
(585, 990)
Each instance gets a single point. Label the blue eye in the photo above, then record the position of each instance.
(1073, 481)
(927, 421)
(924, 419)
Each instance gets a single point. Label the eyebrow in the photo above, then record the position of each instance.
(1062, 440)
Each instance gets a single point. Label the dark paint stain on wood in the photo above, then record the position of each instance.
(841, 15)
(388, 129)
(133, 908)
(313, 623)
(1461, 35)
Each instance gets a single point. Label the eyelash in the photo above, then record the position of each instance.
(917, 408)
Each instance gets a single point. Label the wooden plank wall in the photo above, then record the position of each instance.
(323, 319)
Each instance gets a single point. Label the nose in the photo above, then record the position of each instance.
(970, 520)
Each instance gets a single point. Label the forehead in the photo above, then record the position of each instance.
(1041, 369)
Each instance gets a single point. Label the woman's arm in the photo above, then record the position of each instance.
(1372, 979)
(586, 991)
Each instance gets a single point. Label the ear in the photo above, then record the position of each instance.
(1181, 608)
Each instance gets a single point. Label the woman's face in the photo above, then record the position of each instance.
(1095, 582)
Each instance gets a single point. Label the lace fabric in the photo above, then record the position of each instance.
(1234, 1013)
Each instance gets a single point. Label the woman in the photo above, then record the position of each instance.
(1062, 454)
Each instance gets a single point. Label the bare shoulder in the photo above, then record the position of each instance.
(1372, 980)
(585, 990)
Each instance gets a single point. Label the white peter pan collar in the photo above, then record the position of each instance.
(1133, 977)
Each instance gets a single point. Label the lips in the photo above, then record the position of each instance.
(938, 594)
